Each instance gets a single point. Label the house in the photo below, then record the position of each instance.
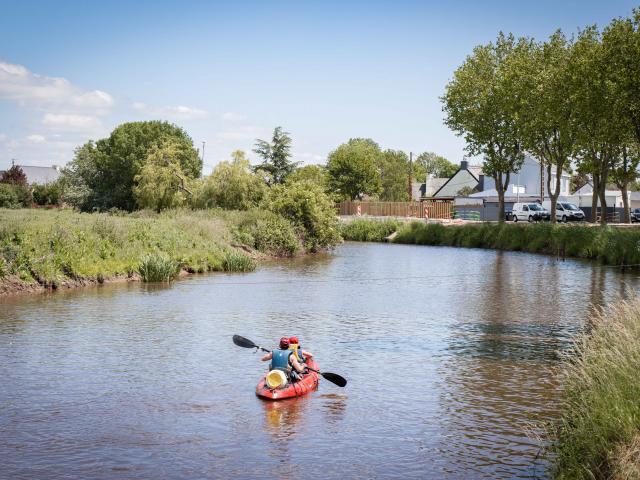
(467, 177)
(39, 175)
(583, 197)
(428, 188)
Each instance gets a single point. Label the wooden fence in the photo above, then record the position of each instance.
(422, 209)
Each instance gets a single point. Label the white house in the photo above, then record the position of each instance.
(40, 175)
(584, 196)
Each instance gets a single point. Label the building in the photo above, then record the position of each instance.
(467, 177)
(39, 175)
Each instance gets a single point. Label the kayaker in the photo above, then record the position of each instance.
(301, 354)
(285, 360)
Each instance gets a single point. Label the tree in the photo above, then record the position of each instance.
(14, 176)
(161, 183)
(275, 157)
(482, 104)
(313, 173)
(545, 76)
(429, 163)
(353, 169)
(309, 209)
(105, 170)
(394, 176)
(231, 185)
(625, 173)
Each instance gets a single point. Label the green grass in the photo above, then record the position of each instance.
(598, 434)
(363, 230)
(50, 247)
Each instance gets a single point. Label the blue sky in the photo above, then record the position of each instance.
(230, 72)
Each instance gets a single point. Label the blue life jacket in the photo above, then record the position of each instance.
(280, 359)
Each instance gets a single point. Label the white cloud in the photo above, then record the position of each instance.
(19, 84)
(71, 121)
(247, 132)
(37, 138)
(179, 112)
(310, 157)
(3, 137)
(233, 117)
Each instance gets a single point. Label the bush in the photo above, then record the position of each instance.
(310, 211)
(158, 267)
(599, 429)
(8, 196)
(47, 194)
(235, 261)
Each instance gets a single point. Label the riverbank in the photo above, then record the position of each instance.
(598, 434)
(609, 245)
(41, 250)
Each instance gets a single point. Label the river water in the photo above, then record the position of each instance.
(447, 352)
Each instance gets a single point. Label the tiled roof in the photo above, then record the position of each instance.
(40, 175)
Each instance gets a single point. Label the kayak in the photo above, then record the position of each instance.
(306, 384)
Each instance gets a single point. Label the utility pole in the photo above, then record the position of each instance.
(410, 176)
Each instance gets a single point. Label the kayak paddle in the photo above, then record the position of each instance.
(332, 377)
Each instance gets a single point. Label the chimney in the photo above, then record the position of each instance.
(464, 164)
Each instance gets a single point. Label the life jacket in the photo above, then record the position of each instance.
(297, 350)
(280, 360)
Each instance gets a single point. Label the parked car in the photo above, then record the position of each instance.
(635, 215)
(531, 212)
(565, 211)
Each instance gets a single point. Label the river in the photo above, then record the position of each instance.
(448, 353)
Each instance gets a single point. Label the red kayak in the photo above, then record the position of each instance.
(303, 386)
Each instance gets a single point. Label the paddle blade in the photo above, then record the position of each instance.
(243, 342)
(335, 378)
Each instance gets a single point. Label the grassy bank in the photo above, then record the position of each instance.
(598, 435)
(65, 248)
(610, 245)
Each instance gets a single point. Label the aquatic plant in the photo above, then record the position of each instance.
(235, 261)
(598, 433)
(158, 267)
(362, 230)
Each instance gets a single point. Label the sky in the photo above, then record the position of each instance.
(230, 72)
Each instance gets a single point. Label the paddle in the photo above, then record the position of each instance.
(332, 377)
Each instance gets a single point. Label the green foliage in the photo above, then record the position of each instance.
(466, 191)
(158, 267)
(353, 169)
(599, 428)
(231, 186)
(311, 173)
(363, 230)
(14, 176)
(47, 194)
(276, 164)
(429, 163)
(160, 185)
(394, 176)
(8, 196)
(309, 209)
(102, 175)
(235, 261)
(483, 103)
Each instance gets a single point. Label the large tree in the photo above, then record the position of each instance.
(482, 103)
(276, 163)
(14, 176)
(394, 176)
(429, 163)
(545, 74)
(353, 169)
(104, 172)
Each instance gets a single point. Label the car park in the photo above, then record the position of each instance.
(529, 212)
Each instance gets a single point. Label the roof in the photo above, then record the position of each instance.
(434, 184)
(476, 170)
(40, 175)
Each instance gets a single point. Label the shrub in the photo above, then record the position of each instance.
(8, 196)
(309, 209)
(47, 194)
(158, 267)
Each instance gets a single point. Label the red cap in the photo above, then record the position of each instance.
(284, 343)
(293, 340)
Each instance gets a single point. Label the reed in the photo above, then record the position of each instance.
(363, 230)
(598, 434)
(158, 267)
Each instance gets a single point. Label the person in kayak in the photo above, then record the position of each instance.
(285, 360)
(301, 354)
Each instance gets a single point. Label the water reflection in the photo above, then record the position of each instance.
(447, 353)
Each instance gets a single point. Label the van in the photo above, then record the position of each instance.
(530, 212)
(565, 211)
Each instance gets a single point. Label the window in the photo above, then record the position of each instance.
(525, 208)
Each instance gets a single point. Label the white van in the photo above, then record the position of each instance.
(530, 212)
(565, 211)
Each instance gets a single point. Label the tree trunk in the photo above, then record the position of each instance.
(626, 218)
(500, 188)
(555, 193)
(594, 198)
(603, 199)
